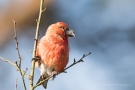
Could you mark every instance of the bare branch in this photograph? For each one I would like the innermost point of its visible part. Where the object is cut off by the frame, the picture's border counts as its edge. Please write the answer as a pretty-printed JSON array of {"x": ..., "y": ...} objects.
[
  {"x": 21, "y": 75},
  {"x": 25, "y": 72},
  {"x": 15, "y": 37},
  {"x": 75, "y": 62},
  {"x": 5, "y": 60},
  {"x": 80, "y": 60},
  {"x": 15, "y": 64},
  {"x": 35, "y": 45},
  {"x": 18, "y": 66}
]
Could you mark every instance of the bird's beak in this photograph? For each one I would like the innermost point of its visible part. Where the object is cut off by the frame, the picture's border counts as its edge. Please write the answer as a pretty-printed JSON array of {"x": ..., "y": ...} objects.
[{"x": 70, "y": 33}]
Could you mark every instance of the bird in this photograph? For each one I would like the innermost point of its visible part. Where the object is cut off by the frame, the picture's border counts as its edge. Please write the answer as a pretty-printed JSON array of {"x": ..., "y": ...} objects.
[{"x": 53, "y": 51}]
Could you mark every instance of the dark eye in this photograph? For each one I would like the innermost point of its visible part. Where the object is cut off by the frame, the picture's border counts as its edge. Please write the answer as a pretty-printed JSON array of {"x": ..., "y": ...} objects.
[
  {"x": 65, "y": 29},
  {"x": 62, "y": 27}
]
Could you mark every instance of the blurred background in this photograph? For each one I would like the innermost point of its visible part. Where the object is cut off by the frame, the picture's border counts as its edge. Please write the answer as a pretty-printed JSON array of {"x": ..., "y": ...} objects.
[{"x": 106, "y": 28}]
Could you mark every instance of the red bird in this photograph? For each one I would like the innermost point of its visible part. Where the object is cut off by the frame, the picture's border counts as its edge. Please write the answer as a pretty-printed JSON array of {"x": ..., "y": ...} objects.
[{"x": 53, "y": 50}]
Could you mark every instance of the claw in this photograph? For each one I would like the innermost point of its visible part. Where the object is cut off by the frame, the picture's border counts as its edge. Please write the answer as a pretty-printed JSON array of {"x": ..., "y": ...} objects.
[{"x": 37, "y": 58}]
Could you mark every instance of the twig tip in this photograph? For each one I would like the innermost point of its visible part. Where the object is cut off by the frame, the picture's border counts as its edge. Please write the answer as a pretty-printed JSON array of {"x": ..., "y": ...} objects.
[
  {"x": 74, "y": 60},
  {"x": 84, "y": 55}
]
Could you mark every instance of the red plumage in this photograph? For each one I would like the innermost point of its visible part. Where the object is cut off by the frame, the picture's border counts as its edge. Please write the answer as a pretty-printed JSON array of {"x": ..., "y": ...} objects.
[{"x": 53, "y": 50}]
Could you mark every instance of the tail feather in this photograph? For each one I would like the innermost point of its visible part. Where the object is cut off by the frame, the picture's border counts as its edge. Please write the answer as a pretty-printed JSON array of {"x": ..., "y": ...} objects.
[{"x": 44, "y": 84}]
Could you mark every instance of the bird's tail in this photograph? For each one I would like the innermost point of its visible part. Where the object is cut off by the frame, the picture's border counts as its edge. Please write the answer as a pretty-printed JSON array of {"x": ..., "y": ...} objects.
[{"x": 43, "y": 77}]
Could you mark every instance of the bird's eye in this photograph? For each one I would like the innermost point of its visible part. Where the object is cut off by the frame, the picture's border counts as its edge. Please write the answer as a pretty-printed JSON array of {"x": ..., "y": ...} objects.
[{"x": 63, "y": 28}]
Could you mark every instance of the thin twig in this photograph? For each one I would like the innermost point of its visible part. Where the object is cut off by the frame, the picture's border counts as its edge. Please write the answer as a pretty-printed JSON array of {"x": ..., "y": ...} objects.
[
  {"x": 35, "y": 45},
  {"x": 75, "y": 62},
  {"x": 15, "y": 37},
  {"x": 16, "y": 65},
  {"x": 5, "y": 60},
  {"x": 25, "y": 72},
  {"x": 16, "y": 84},
  {"x": 21, "y": 75}
]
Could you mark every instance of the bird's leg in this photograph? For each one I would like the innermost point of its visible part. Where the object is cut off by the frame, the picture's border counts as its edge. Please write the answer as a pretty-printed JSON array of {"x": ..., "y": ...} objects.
[{"x": 54, "y": 73}]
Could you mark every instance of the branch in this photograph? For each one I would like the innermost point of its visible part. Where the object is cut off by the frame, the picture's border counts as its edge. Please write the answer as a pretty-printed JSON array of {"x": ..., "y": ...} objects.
[
  {"x": 15, "y": 37},
  {"x": 21, "y": 71},
  {"x": 74, "y": 63},
  {"x": 18, "y": 66},
  {"x": 24, "y": 73},
  {"x": 21, "y": 75},
  {"x": 5, "y": 60},
  {"x": 35, "y": 45}
]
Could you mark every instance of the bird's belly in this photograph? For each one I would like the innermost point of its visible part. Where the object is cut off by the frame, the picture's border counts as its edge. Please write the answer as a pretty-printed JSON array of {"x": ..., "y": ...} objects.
[
  {"x": 57, "y": 59},
  {"x": 60, "y": 63}
]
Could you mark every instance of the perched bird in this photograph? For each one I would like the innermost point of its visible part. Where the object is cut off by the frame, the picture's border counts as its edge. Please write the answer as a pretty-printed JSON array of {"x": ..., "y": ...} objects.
[{"x": 53, "y": 51}]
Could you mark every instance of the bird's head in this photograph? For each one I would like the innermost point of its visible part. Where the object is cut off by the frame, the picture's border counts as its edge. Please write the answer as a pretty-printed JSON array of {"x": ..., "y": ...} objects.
[{"x": 60, "y": 30}]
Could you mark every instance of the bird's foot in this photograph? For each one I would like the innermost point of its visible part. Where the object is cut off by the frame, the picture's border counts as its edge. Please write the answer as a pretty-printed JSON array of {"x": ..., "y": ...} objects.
[
  {"x": 54, "y": 73},
  {"x": 37, "y": 58}
]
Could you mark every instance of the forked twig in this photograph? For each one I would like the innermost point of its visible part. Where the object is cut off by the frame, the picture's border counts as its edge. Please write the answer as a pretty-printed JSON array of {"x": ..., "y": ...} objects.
[
  {"x": 16, "y": 65},
  {"x": 25, "y": 72},
  {"x": 5, "y": 60},
  {"x": 75, "y": 62}
]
